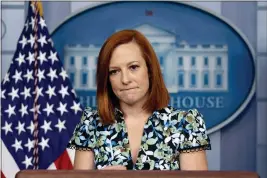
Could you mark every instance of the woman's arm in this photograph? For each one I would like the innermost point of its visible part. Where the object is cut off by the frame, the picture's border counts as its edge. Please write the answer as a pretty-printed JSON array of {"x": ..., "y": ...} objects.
[
  {"x": 84, "y": 160},
  {"x": 195, "y": 160}
]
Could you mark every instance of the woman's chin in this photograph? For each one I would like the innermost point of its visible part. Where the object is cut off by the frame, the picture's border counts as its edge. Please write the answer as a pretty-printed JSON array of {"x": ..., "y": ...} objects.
[{"x": 130, "y": 101}]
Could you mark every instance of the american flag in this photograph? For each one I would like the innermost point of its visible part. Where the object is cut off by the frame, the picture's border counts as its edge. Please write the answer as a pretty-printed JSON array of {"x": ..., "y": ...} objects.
[{"x": 36, "y": 82}]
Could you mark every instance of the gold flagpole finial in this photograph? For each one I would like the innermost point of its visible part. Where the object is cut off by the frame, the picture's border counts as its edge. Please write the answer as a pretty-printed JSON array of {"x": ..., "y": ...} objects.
[{"x": 40, "y": 7}]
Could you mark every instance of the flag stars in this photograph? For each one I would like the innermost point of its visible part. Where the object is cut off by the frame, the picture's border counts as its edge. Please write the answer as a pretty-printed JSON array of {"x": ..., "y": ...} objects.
[
  {"x": 48, "y": 109},
  {"x": 20, "y": 59},
  {"x": 57, "y": 98},
  {"x": 36, "y": 108},
  {"x": 31, "y": 40},
  {"x": 38, "y": 92},
  {"x": 17, "y": 145},
  {"x": 29, "y": 144},
  {"x": 60, "y": 125},
  {"x": 17, "y": 76},
  {"x": 10, "y": 110},
  {"x": 20, "y": 127},
  {"x": 41, "y": 57},
  {"x": 51, "y": 91},
  {"x": 52, "y": 74},
  {"x": 44, "y": 143},
  {"x": 6, "y": 79},
  {"x": 76, "y": 107},
  {"x": 31, "y": 127},
  {"x": 7, "y": 127},
  {"x": 14, "y": 93},
  {"x": 3, "y": 94},
  {"x": 23, "y": 110},
  {"x": 42, "y": 40},
  {"x": 63, "y": 74},
  {"x": 62, "y": 108},
  {"x": 73, "y": 91},
  {"x": 40, "y": 75},
  {"x": 27, "y": 161},
  {"x": 32, "y": 22},
  {"x": 23, "y": 41},
  {"x": 28, "y": 76},
  {"x": 42, "y": 22},
  {"x": 30, "y": 58},
  {"x": 51, "y": 42},
  {"x": 46, "y": 126},
  {"x": 53, "y": 56},
  {"x": 63, "y": 91},
  {"x": 26, "y": 93}
]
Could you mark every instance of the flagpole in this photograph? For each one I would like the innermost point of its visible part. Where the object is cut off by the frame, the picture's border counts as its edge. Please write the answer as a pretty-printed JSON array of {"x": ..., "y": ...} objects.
[{"x": 35, "y": 133}]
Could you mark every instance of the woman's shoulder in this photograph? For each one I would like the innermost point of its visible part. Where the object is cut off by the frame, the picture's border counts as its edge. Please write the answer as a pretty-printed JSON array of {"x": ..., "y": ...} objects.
[
  {"x": 88, "y": 111},
  {"x": 171, "y": 113},
  {"x": 172, "y": 110},
  {"x": 91, "y": 116},
  {"x": 187, "y": 129}
]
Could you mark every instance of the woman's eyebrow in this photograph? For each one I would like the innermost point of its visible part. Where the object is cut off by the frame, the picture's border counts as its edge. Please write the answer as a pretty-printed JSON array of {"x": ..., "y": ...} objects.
[
  {"x": 111, "y": 67},
  {"x": 131, "y": 62}
]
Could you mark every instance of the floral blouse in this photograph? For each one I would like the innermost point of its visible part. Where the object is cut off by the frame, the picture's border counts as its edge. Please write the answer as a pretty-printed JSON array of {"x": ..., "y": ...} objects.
[{"x": 167, "y": 133}]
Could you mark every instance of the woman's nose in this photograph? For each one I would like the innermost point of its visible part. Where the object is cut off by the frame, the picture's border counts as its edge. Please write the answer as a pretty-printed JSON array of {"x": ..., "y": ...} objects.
[{"x": 125, "y": 78}]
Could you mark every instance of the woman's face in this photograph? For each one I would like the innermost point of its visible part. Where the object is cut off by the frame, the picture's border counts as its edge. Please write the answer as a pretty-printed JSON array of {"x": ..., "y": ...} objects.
[{"x": 128, "y": 74}]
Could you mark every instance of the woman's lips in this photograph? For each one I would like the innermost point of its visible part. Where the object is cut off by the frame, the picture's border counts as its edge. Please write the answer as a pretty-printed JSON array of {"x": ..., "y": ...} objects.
[{"x": 127, "y": 89}]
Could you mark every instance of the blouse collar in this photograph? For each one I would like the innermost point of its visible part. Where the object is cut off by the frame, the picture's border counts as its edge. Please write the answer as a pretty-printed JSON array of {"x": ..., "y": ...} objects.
[{"x": 166, "y": 110}]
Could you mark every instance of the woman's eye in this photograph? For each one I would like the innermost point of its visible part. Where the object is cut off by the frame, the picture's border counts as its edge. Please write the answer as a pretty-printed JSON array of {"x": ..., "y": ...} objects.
[
  {"x": 112, "y": 72},
  {"x": 134, "y": 67}
]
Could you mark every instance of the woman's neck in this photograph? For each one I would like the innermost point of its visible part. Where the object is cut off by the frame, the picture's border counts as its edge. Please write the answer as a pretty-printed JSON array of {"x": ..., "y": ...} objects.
[{"x": 135, "y": 111}]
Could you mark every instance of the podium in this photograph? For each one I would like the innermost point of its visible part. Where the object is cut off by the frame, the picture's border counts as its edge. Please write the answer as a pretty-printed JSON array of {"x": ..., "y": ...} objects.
[{"x": 132, "y": 174}]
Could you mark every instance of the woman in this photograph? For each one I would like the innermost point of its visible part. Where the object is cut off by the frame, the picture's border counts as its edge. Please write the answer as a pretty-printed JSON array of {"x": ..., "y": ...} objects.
[{"x": 133, "y": 127}]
